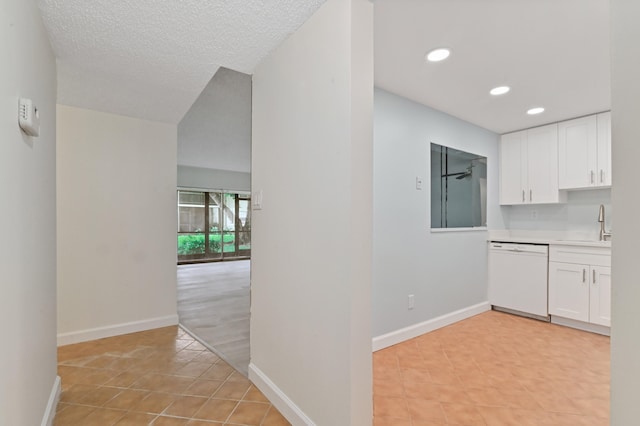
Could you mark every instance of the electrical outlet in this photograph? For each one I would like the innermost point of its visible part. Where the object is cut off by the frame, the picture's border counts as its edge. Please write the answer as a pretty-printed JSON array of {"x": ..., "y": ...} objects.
[
  {"x": 534, "y": 214},
  {"x": 418, "y": 183},
  {"x": 410, "y": 301}
]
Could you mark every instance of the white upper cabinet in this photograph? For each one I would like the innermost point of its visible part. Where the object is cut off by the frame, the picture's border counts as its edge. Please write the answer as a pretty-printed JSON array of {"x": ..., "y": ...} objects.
[
  {"x": 513, "y": 167},
  {"x": 542, "y": 152},
  {"x": 584, "y": 152},
  {"x": 604, "y": 149},
  {"x": 529, "y": 166}
]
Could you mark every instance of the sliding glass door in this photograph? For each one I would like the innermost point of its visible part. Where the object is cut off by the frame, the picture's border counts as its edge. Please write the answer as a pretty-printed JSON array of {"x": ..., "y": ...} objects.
[{"x": 213, "y": 226}]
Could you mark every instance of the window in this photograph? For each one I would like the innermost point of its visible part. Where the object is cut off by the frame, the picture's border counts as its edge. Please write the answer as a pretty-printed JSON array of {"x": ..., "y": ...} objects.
[
  {"x": 458, "y": 188},
  {"x": 213, "y": 225}
]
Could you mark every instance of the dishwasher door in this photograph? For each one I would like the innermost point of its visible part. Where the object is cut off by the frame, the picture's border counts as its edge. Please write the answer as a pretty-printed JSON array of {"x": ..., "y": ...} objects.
[{"x": 518, "y": 277}]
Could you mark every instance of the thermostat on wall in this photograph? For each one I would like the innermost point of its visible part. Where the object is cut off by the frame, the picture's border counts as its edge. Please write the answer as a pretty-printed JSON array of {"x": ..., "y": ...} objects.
[{"x": 29, "y": 117}]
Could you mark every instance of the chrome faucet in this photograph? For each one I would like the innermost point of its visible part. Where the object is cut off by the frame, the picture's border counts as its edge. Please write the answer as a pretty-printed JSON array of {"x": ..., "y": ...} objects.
[{"x": 603, "y": 234}]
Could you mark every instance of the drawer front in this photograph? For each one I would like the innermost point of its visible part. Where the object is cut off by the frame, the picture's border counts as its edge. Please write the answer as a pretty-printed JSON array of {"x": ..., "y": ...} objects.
[{"x": 600, "y": 256}]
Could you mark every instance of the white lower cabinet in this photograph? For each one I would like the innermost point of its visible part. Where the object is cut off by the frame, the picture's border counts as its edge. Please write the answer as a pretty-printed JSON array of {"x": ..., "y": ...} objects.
[
  {"x": 600, "y": 296},
  {"x": 580, "y": 284}
]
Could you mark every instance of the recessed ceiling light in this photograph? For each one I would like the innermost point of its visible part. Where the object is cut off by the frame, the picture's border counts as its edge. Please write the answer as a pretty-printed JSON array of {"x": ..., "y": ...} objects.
[
  {"x": 534, "y": 111},
  {"x": 437, "y": 55},
  {"x": 500, "y": 90}
]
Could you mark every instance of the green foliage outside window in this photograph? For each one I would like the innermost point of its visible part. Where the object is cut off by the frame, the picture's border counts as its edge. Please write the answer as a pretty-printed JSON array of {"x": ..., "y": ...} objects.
[{"x": 194, "y": 243}]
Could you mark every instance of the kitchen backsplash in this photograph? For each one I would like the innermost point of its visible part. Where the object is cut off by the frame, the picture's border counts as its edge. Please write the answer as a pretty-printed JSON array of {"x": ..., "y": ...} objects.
[{"x": 578, "y": 214}]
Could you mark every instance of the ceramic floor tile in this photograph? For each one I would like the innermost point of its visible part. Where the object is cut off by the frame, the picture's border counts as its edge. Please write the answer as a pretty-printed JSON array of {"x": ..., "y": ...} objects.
[
  {"x": 425, "y": 410},
  {"x": 390, "y": 421},
  {"x": 185, "y": 406},
  {"x": 73, "y": 415},
  {"x": 494, "y": 369},
  {"x": 219, "y": 371},
  {"x": 216, "y": 410},
  {"x": 154, "y": 403},
  {"x": 169, "y": 421},
  {"x": 416, "y": 375},
  {"x": 232, "y": 390},
  {"x": 126, "y": 399},
  {"x": 388, "y": 388},
  {"x": 124, "y": 379},
  {"x": 160, "y": 377},
  {"x": 203, "y": 423},
  {"x": 103, "y": 417},
  {"x": 135, "y": 419},
  {"x": 203, "y": 387},
  {"x": 254, "y": 394},
  {"x": 76, "y": 393},
  {"x": 460, "y": 414},
  {"x": 274, "y": 418},
  {"x": 249, "y": 413},
  {"x": 390, "y": 407}
]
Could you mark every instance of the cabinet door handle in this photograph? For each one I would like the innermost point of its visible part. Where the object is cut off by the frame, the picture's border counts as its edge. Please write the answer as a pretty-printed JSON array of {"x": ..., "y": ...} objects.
[
  {"x": 594, "y": 276},
  {"x": 523, "y": 195},
  {"x": 531, "y": 195},
  {"x": 584, "y": 275},
  {"x": 592, "y": 176},
  {"x": 601, "y": 176}
]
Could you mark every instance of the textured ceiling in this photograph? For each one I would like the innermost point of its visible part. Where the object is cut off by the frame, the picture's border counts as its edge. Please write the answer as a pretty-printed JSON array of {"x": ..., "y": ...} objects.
[
  {"x": 553, "y": 53},
  {"x": 152, "y": 58}
]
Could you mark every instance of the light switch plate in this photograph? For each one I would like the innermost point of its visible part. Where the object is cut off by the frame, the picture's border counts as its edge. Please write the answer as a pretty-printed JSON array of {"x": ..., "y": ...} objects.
[
  {"x": 256, "y": 200},
  {"x": 418, "y": 182}
]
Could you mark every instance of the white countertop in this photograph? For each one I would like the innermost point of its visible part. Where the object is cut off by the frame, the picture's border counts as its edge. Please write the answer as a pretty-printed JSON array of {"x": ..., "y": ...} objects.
[{"x": 544, "y": 237}]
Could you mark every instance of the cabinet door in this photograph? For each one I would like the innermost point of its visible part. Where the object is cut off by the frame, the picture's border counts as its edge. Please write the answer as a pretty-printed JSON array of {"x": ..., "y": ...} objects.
[
  {"x": 604, "y": 149},
  {"x": 513, "y": 167},
  {"x": 569, "y": 290},
  {"x": 577, "y": 153},
  {"x": 600, "y": 296},
  {"x": 542, "y": 155}
]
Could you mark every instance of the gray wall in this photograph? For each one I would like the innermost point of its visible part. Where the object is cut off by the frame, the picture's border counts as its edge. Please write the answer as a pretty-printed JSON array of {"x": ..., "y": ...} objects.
[
  {"x": 27, "y": 218},
  {"x": 625, "y": 108},
  {"x": 200, "y": 178},
  {"x": 216, "y": 131},
  {"x": 445, "y": 271}
]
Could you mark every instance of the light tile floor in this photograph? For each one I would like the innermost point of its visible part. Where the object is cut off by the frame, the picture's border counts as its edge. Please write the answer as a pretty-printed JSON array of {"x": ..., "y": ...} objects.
[
  {"x": 494, "y": 369},
  {"x": 158, "y": 377}
]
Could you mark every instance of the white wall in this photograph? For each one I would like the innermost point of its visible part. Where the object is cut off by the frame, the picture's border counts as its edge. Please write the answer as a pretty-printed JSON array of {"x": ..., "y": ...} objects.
[
  {"x": 444, "y": 271},
  {"x": 27, "y": 218},
  {"x": 116, "y": 224},
  {"x": 311, "y": 247},
  {"x": 201, "y": 178},
  {"x": 625, "y": 321}
]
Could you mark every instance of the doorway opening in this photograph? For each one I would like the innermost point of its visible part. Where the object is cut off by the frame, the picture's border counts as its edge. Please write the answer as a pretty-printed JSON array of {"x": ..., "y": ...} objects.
[{"x": 213, "y": 296}]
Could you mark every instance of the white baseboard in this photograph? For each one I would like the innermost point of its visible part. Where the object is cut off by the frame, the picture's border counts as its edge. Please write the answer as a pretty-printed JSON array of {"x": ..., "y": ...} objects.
[
  {"x": 116, "y": 330},
  {"x": 279, "y": 399},
  {"x": 399, "y": 336},
  {"x": 52, "y": 404},
  {"x": 584, "y": 326}
]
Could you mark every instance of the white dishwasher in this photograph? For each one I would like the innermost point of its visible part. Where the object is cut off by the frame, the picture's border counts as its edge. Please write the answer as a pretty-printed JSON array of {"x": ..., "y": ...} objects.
[{"x": 518, "y": 278}]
